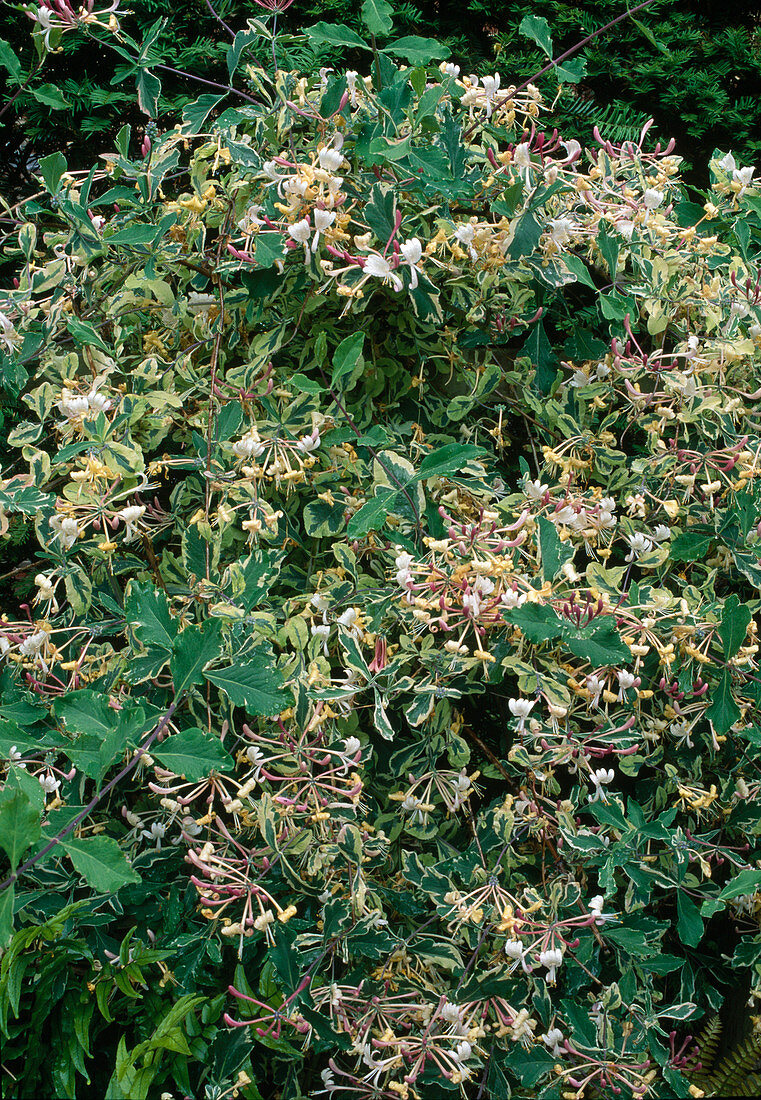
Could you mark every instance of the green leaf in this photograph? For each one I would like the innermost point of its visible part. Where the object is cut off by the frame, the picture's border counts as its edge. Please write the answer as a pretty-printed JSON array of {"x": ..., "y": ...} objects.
[
  {"x": 376, "y": 15},
  {"x": 52, "y": 167},
  {"x": 336, "y": 34},
  {"x": 19, "y": 824},
  {"x": 147, "y": 612},
  {"x": 84, "y": 333},
  {"x": 347, "y": 357},
  {"x": 723, "y": 711},
  {"x": 194, "y": 754},
  {"x": 101, "y": 862},
  {"x": 690, "y": 545},
  {"x": 537, "y": 622},
  {"x": 195, "y": 114},
  {"x": 6, "y": 915},
  {"x": 255, "y": 686},
  {"x": 372, "y": 515},
  {"x": 86, "y": 712},
  {"x": 304, "y": 384},
  {"x": 735, "y": 619},
  {"x": 609, "y": 246},
  {"x": 526, "y": 236},
  {"x": 555, "y": 552},
  {"x": 148, "y": 92},
  {"x": 322, "y": 519},
  {"x": 51, "y": 96},
  {"x": 577, "y": 267},
  {"x": 538, "y": 30},
  {"x": 572, "y": 71},
  {"x": 193, "y": 649},
  {"x": 689, "y": 923},
  {"x": 269, "y": 250},
  {"x": 26, "y": 500},
  {"x": 416, "y": 50},
  {"x": 599, "y": 642},
  {"x": 380, "y": 211},
  {"x": 746, "y": 882},
  {"x": 8, "y": 59},
  {"x": 447, "y": 460},
  {"x": 542, "y": 355}
]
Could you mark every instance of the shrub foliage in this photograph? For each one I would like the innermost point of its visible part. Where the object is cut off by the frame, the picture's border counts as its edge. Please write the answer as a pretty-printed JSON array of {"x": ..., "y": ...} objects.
[{"x": 382, "y": 717}]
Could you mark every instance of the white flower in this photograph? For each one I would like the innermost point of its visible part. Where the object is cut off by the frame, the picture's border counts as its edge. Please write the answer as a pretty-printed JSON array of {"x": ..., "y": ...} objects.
[
  {"x": 626, "y": 679},
  {"x": 652, "y": 198},
  {"x": 49, "y": 783},
  {"x": 594, "y": 686},
  {"x": 452, "y": 1013},
  {"x": 553, "y": 1039},
  {"x": 464, "y": 234},
  {"x": 744, "y": 177},
  {"x": 131, "y": 515},
  {"x": 600, "y": 778},
  {"x": 551, "y": 959},
  {"x": 251, "y": 220},
  {"x": 309, "y": 443},
  {"x": 320, "y": 630},
  {"x": 46, "y": 587},
  {"x": 352, "y": 745},
  {"x": 9, "y": 338},
  {"x": 511, "y": 598},
  {"x": 248, "y": 446},
  {"x": 301, "y": 231},
  {"x": 523, "y": 1028},
  {"x": 727, "y": 162},
  {"x": 491, "y": 87},
  {"x": 471, "y": 604},
  {"x": 561, "y": 230},
  {"x": 156, "y": 833},
  {"x": 66, "y": 530},
  {"x": 379, "y": 267},
  {"x": 412, "y": 252},
  {"x": 321, "y": 602},
  {"x": 462, "y": 1053},
  {"x": 661, "y": 532},
  {"x": 450, "y": 70},
  {"x": 535, "y": 489},
  {"x": 521, "y": 708},
  {"x": 330, "y": 159},
  {"x": 73, "y": 405},
  {"x": 596, "y": 907},
  {"x": 639, "y": 544},
  {"x": 323, "y": 219},
  {"x": 348, "y": 619}
]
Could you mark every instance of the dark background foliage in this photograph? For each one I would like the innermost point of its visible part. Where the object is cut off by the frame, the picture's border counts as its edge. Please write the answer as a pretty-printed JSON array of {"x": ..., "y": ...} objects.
[{"x": 694, "y": 65}]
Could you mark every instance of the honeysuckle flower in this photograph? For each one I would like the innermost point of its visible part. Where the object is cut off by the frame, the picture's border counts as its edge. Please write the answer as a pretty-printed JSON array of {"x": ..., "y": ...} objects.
[
  {"x": 743, "y": 176},
  {"x": 452, "y": 1013},
  {"x": 535, "y": 489},
  {"x": 450, "y": 70},
  {"x": 521, "y": 708},
  {"x": 65, "y": 529},
  {"x": 49, "y": 783},
  {"x": 378, "y": 267},
  {"x": 323, "y": 219},
  {"x": 661, "y": 532},
  {"x": 348, "y": 620},
  {"x": 562, "y": 230},
  {"x": 599, "y": 779},
  {"x": 412, "y": 253},
  {"x": 9, "y": 337},
  {"x": 517, "y": 951},
  {"x": 596, "y": 909},
  {"x": 321, "y": 630},
  {"x": 639, "y": 544},
  {"x": 16, "y": 757},
  {"x": 309, "y": 443},
  {"x": 512, "y": 597},
  {"x": 551, "y": 959},
  {"x": 300, "y": 232},
  {"x": 131, "y": 516},
  {"x": 464, "y": 235},
  {"x": 248, "y": 446},
  {"x": 351, "y": 84},
  {"x": 552, "y": 1039},
  {"x": 522, "y": 1030},
  {"x": 727, "y": 162},
  {"x": 490, "y": 87},
  {"x": 330, "y": 158},
  {"x": 73, "y": 405},
  {"x": 652, "y": 198},
  {"x": 155, "y": 834},
  {"x": 462, "y": 1052}
]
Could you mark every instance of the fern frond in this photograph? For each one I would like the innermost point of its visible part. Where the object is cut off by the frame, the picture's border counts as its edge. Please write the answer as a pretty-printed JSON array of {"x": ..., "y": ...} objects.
[
  {"x": 734, "y": 1072},
  {"x": 707, "y": 1043}
]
